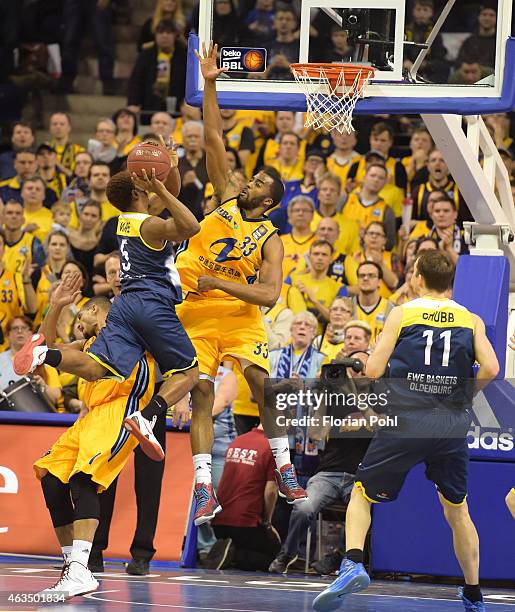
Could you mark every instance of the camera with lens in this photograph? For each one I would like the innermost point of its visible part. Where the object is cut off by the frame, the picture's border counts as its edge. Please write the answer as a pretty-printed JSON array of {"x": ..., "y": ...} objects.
[
  {"x": 337, "y": 369},
  {"x": 356, "y": 22}
]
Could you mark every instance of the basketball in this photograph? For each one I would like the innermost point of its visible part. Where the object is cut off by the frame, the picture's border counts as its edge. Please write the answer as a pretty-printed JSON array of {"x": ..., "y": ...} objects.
[
  {"x": 253, "y": 60},
  {"x": 147, "y": 156}
]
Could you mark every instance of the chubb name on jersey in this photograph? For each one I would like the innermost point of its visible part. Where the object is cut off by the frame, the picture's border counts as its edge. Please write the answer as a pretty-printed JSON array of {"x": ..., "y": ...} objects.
[
  {"x": 490, "y": 440},
  {"x": 439, "y": 317}
]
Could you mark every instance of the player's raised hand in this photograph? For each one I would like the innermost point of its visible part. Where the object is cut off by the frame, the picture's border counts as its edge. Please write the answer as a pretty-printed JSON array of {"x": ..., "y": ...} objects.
[
  {"x": 146, "y": 183},
  {"x": 172, "y": 152},
  {"x": 207, "y": 60},
  {"x": 67, "y": 290}
]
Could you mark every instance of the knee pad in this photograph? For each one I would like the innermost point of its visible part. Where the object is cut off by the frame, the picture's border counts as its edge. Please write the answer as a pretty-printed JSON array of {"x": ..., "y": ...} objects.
[
  {"x": 85, "y": 497},
  {"x": 58, "y": 500}
]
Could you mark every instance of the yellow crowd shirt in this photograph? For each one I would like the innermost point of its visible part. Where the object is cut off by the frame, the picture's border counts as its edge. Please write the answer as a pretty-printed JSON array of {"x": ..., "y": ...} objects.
[
  {"x": 10, "y": 304},
  {"x": 348, "y": 240},
  {"x": 43, "y": 219},
  {"x": 295, "y": 250}
]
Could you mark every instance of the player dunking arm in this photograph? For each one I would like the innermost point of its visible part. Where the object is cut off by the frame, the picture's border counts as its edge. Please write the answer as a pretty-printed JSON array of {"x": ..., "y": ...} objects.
[
  {"x": 89, "y": 455},
  {"x": 228, "y": 270},
  {"x": 435, "y": 336},
  {"x": 143, "y": 317}
]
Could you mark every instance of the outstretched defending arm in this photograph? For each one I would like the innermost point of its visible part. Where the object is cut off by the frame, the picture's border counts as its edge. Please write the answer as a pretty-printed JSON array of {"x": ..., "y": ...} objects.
[
  {"x": 63, "y": 295},
  {"x": 216, "y": 160},
  {"x": 264, "y": 292}
]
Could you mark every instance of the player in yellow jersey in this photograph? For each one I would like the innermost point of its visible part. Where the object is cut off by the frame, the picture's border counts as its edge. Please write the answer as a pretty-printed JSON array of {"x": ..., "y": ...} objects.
[
  {"x": 229, "y": 269},
  {"x": 86, "y": 458},
  {"x": 13, "y": 301}
]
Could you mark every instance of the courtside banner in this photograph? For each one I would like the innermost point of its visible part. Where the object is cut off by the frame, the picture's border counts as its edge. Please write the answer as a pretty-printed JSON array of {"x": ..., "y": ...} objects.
[{"x": 25, "y": 525}]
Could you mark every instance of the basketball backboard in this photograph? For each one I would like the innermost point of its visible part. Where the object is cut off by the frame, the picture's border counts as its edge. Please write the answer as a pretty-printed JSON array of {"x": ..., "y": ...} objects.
[{"x": 373, "y": 31}]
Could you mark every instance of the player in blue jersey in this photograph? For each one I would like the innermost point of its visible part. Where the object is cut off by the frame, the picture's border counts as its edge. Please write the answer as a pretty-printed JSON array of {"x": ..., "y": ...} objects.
[
  {"x": 426, "y": 340},
  {"x": 143, "y": 317}
]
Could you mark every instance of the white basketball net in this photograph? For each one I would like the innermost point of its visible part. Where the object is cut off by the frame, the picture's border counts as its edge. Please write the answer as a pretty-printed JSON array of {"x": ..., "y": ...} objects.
[{"x": 329, "y": 105}]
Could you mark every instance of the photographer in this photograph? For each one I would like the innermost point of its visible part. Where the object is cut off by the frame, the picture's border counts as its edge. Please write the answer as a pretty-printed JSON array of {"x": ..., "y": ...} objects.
[{"x": 334, "y": 478}]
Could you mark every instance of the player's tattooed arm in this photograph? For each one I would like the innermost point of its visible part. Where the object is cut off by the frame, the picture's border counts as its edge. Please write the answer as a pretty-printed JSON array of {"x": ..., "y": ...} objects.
[
  {"x": 266, "y": 290},
  {"x": 377, "y": 362}
]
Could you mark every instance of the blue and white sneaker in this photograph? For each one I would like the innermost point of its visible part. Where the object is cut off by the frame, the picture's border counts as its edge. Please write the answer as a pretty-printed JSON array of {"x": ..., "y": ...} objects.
[
  {"x": 478, "y": 606},
  {"x": 351, "y": 579}
]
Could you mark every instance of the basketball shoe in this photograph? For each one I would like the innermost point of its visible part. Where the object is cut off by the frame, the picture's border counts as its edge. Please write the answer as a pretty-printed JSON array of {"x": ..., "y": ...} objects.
[
  {"x": 351, "y": 579},
  {"x": 30, "y": 356},
  {"x": 476, "y": 606},
  {"x": 206, "y": 504},
  {"x": 288, "y": 486},
  {"x": 75, "y": 579},
  {"x": 142, "y": 429}
]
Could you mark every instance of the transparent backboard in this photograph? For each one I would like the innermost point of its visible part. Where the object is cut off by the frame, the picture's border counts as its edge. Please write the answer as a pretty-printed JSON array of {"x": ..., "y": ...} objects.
[{"x": 460, "y": 70}]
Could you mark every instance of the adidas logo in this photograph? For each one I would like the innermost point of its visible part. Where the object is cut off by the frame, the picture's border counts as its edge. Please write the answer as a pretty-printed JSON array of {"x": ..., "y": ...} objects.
[
  {"x": 490, "y": 440},
  {"x": 487, "y": 432}
]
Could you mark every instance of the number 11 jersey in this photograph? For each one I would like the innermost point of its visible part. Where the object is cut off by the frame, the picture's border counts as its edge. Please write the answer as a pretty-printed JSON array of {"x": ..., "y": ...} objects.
[{"x": 436, "y": 341}]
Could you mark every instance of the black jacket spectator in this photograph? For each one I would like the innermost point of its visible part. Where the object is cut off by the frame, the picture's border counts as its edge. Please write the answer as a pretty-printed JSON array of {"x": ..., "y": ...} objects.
[{"x": 142, "y": 90}]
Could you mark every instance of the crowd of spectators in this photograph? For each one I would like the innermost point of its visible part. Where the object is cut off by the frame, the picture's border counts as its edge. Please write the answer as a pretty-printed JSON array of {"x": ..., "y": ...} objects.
[{"x": 348, "y": 254}]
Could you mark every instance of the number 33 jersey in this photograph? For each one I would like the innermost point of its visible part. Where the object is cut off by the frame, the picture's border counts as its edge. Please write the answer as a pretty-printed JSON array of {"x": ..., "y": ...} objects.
[
  {"x": 228, "y": 246},
  {"x": 436, "y": 341}
]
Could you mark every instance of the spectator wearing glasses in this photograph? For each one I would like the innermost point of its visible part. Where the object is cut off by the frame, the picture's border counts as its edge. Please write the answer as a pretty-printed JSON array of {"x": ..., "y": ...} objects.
[
  {"x": 104, "y": 146},
  {"x": 332, "y": 341},
  {"x": 19, "y": 330},
  {"x": 374, "y": 243},
  {"x": 370, "y": 306}
]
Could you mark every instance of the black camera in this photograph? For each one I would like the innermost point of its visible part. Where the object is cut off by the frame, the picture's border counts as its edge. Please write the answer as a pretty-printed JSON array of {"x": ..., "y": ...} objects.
[
  {"x": 356, "y": 22},
  {"x": 337, "y": 369}
]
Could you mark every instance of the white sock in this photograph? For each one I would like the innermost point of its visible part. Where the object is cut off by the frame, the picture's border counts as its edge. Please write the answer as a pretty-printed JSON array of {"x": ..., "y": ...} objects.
[
  {"x": 202, "y": 468},
  {"x": 67, "y": 551},
  {"x": 280, "y": 450},
  {"x": 80, "y": 552}
]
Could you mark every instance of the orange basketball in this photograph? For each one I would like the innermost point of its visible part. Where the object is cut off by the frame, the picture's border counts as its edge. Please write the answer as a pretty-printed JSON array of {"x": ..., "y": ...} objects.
[
  {"x": 147, "y": 156},
  {"x": 253, "y": 60}
]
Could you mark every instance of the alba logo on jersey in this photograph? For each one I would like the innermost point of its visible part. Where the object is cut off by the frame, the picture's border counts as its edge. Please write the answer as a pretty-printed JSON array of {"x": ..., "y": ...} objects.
[{"x": 225, "y": 250}]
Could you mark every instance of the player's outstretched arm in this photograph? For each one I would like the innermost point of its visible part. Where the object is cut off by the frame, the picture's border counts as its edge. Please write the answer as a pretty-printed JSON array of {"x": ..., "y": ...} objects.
[
  {"x": 216, "y": 160},
  {"x": 485, "y": 355},
  {"x": 377, "y": 362},
  {"x": 181, "y": 226},
  {"x": 264, "y": 292},
  {"x": 63, "y": 295}
]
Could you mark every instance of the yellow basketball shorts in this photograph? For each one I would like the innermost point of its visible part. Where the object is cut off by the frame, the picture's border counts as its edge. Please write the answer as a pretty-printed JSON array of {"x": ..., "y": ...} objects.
[
  {"x": 221, "y": 328},
  {"x": 96, "y": 444}
]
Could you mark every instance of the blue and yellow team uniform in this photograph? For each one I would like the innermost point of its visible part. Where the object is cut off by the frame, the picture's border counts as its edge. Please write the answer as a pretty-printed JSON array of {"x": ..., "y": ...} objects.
[
  {"x": 98, "y": 444},
  {"x": 431, "y": 379},
  {"x": 228, "y": 246},
  {"x": 143, "y": 317}
]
